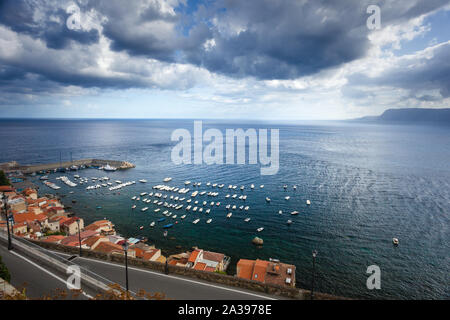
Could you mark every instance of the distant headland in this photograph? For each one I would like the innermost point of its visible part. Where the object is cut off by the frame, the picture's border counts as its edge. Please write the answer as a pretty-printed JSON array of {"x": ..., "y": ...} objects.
[{"x": 411, "y": 115}]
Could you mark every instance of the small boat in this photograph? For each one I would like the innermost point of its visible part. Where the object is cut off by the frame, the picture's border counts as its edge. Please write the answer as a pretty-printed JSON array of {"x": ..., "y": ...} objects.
[
  {"x": 141, "y": 227},
  {"x": 183, "y": 216},
  {"x": 246, "y": 208},
  {"x": 157, "y": 210},
  {"x": 152, "y": 224},
  {"x": 165, "y": 233},
  {"x": 109, "y": 168},
  {"x": 287, "y": 198},
  {"x": 196, "y": 221},
  {"x": 167, "y": 226},
  {"x": 187, "y": 182},
  {"x": 395, "y": 241},
  {"x": 208, "y": 210},
  {"x": 143, "y": 181},
  {"x": 168, "y": 179},
  {"x": 308, "y": 202},
  {"x": 98, "y": 207},
  {"x": 268, "y": 199},
  {"x": 143, "y": 194},
  {"x": 294, "y": 213},
  {"x": 285, "y": 186},
  {"x": 242, "y": 187},
  {"x": 247, "y": 219},
  {"x": 261, "y": 186},
  {"x": 208, "y": 221},
  {"x": 133, "y": 206},
  {"x": 260, "y": 229},
  {"x": 144, "y": 209},
  {"x": 217, "y": 204},
  {"x": 161, "y": 220},
  {"x": 134, "y": 198},
  {"x": 294, "y": 187},
  {"x": 229, "y": 215},
  {"x": 233, "y": 207},
  {"x": 252, "y": 186},
  {"x": 289, "y": 221},
  {"x": 227, "y": 196},
  {"x": 241, "y": 207}
]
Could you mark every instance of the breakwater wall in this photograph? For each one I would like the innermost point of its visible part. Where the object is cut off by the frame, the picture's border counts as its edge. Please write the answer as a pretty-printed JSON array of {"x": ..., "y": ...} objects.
[{"x": 67, "y": 164}]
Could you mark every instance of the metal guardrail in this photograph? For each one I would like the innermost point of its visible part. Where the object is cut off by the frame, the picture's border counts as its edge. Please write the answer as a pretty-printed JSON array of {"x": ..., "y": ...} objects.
[{"x": 61, "y": 263}]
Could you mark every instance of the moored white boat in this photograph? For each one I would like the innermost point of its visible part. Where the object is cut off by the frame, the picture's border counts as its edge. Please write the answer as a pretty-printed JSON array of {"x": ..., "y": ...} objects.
[{"x": 260, "y": 229}]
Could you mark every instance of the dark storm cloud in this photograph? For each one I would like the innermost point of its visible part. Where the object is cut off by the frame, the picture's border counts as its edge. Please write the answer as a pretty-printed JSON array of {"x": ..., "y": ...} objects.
[
  {"x": 25, "y": 17},
  {"x": 264, "y": 39}
]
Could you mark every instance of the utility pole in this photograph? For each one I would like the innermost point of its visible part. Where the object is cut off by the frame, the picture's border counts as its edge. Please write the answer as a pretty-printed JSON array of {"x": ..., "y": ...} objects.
[{"x": 10, "y": 246}]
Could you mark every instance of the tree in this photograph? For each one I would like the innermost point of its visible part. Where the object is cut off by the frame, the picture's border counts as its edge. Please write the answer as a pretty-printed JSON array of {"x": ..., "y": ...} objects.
[
  {"x": 4, "y": 273},
  {"x": 3, "y": 179}
]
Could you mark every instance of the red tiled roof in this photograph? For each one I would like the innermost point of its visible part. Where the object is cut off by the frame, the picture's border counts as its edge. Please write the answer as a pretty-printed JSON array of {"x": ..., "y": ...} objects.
[
  {"x": 53, "y": 238},
  {"x": 259, "y": 270},
  {"x": 108, "y": 247},
  {"x": 213, "y": 256},
  {"x": 200, "y": 266},
  {"x": 194, "y": 255},
  {"x": 245, "y": 268},
  {"x": 210, "y": 269},
  {"x": 149, "y": 254}
]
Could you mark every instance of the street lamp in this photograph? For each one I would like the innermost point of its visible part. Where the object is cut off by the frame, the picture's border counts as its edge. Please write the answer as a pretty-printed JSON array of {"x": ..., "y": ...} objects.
[
  {"x": 10, "y": 246},
  {"x": 125, "y": 248},
  {"x": 79, "y": 234},
  {"x": 314, "y": 254}
]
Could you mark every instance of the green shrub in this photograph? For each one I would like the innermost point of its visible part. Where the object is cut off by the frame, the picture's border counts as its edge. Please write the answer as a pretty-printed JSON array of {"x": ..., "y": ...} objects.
[{"x": 4, "y": 273}]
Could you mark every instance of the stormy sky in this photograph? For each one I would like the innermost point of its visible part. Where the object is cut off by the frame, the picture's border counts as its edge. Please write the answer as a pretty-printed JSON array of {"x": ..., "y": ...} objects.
[{"x": 262, "y": 59}]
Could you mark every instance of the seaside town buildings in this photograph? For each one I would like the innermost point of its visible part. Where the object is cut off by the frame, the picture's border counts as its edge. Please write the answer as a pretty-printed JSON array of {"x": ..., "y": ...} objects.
[{"x": 271, "y": 272}]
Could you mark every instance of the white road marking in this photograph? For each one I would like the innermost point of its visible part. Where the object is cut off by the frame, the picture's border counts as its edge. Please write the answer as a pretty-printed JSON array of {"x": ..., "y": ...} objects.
[
  {"x": 176, "y": 278},
  {"x": 46, "y": 271}
]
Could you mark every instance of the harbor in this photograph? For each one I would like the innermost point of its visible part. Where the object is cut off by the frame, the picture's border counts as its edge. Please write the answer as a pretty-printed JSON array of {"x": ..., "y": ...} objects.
[{"x": 66, "y": 165}]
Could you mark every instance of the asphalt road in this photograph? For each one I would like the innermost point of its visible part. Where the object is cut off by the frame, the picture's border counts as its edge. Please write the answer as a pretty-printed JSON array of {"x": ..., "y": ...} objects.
[
  {"x": 38, "y": 280},
  {"x": 174, "y": 287}
]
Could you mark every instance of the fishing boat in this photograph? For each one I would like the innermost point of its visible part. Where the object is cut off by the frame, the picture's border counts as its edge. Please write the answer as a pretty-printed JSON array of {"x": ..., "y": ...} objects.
[
  {"x": 227, "y": 196},
  {"x": 168, "y": 179},
  {"x": 208, "y": 221},
  {"x": 200, "y": 209},
  {"x": 152, "y": 224},
  {"x": 246, "y": 208},
  {"x": 228, "y": 206},
  {"x": 143, "y": 181},
  {"x": 212, "y": 203},
  {"x": 134, "y": 198},
  {"x": 268, "y": 199},
  {"x": 261, "y": 186},
  {"x": 144, "y": 209},
  {"x": 157, "y": 210},
  {"x": 294, "y": 213},
  {"x": 241, "y": 207},
  {"x": 133, "y": 206},
  {"x": 141, "y": 227},
  {"x": 195, "y": 221},
  {"x": 242, "y": 187},
  {"x": 229, "y": 215},
  {"x": 233, "y": 207},
  {"x": 260, "y": 229},
  {"x": 208, "y": 210},
  {"x": 308, "y": 202},
  {"x": 183, "y": 216},
  {"x": 187, "y": 182},
  {"x": 194, "y": 209},
  {"x": 109, "y": 168},
  {"x": 247, "y": 219},
  {"x": 167, "y": 226},
  {"x": 287, "y": 198}
]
